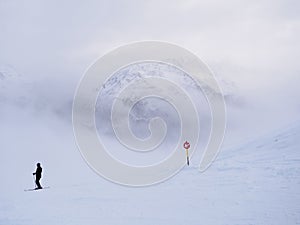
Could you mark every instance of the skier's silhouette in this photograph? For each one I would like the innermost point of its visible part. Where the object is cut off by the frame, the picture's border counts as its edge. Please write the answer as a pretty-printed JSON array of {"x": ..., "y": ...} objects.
[{"x": 38, "y": 175}]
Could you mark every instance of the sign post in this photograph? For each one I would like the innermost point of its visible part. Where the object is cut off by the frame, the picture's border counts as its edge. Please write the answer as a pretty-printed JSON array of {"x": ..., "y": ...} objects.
[{"x": 187, "y": 145}]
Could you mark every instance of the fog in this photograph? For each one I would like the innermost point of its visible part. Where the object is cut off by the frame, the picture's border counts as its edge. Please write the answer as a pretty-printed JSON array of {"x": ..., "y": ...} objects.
[{"x": 252, "y": 47}]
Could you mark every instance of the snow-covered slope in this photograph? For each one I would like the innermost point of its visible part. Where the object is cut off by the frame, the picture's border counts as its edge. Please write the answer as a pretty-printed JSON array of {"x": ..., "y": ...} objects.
[{"x": 255, "y": 183}]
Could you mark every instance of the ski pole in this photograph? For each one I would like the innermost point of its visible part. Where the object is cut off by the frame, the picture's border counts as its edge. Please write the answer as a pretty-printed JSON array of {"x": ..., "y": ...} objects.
[{"x": 34, "y": 181}]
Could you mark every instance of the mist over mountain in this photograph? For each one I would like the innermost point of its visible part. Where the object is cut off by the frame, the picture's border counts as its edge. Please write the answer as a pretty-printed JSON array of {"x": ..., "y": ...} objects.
[
  {"x": 37, "y": 96},
  {"x": 50, "y": 97}
]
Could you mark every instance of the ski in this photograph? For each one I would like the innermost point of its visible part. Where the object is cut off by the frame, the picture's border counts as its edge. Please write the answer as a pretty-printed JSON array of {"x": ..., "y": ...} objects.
[{"x": 35, "y": 189}]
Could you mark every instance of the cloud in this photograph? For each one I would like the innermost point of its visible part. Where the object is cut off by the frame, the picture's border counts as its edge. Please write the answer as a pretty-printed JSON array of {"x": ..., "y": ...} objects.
[{"x": 252, "y": 44}]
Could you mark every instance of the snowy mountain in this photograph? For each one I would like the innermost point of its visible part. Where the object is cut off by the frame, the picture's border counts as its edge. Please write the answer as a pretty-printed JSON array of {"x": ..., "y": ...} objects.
[{"x": 50, "y": 95}]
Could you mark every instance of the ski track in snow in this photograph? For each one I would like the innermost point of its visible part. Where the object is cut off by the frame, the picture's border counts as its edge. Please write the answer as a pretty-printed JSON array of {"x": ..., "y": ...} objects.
[{"x": 255, "y": 183}]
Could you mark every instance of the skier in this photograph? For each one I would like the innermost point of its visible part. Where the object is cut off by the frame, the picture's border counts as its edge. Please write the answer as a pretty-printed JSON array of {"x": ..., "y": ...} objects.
[{"x": 38, "y": 176}]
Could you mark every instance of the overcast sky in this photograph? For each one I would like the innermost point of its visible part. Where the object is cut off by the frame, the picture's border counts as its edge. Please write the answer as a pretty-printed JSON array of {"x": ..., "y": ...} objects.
[{"x": 252, "y": 44}]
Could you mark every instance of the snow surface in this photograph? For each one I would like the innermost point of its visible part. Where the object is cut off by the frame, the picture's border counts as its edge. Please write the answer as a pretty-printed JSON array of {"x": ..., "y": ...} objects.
[{"x": 254, "y": 183}]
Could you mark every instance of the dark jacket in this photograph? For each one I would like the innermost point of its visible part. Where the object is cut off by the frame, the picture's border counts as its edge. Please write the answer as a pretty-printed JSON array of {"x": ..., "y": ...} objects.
[{"x": 38, "y": 172}]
